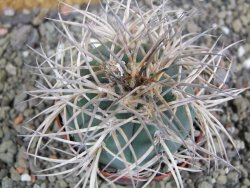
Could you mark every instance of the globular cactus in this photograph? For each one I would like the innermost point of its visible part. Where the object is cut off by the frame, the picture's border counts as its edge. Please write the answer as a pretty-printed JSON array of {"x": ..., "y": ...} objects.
[{"x": 131, "y": 95}]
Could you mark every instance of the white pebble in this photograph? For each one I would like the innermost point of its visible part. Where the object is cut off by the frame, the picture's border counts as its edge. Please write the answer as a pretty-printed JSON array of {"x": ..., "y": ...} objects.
[
  {"x": 25, "y": 177},
  {"x": 25, "y": 53},
  {"x": 214, "y": 25},
  {"x": 226, "y": 170},
  {"x": 241, "y": 51},
  {"x": 226, "y": 30},
  {"x": 95, "y": 43},
  {"x": 11, "y": 69},
  {"x": 246, "y": 63},
  {"x": 8, "y": 12},
  {"x": 239, "y": 144},
  {"x": 213, "y": 180}
]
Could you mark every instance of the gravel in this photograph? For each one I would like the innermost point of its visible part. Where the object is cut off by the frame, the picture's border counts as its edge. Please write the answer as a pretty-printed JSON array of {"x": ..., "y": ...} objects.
[
  {"x": 23, "y": 36},
  {"x": 7, "y": 182},
  {"x": 29, "y": 28},
  {"x": 205, "y": 184},
  {"x": 7, "y": 151}
]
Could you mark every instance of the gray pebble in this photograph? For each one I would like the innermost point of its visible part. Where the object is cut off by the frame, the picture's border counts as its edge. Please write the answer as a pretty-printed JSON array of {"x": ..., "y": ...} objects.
[
  {"x": 235, "y": 117},
  {"x": 3, "y": 44},
  {"x": 7, "y": 182},
  {"x": 44, "y": 185},
  {"x": 244, "y": 170},
  {"x": 7, "y": 151},
  {"x": 11, "y": 69},
  {"x": 244, "y": 186},
  {"x": 28, "y": 112},
  {"x": 240, "y": 145},
  {"x": 3, "y": 173},
  {"x": 205, "y": 184},
  {"x": 237, "y": 26},
  {"x": 222, "y": 179},
  {"x": 14, "y": 174},
  {"x": 36, "y": 186},
  {"x": 245, "y": 20},
  {"x": 52, "y": 178},
  {"x": 19, "y": 103},
  {"x": 18, "y": 61},
  {"x": 23, "y": 18},
  {"x": 3, "y": 63},
  {"x": 3, "y": 75},
  {"x": 1, "y": 132},
  {"x": 2, "y": 49},
  {"x": 242, "y": 104},
  {"x": 246, "y": 182},
  {"x": 9, "y": 97},
  {"x": 4, "y": 40},
  {"x": 63, "y": 184},
  {"x": 233, "y": 177},
  {"x": 42, "y": 178},
  {"x": 247, "y": 137},
  {"x": 22, "y": 36},
  {"x": 192, "y": 27},
  {"x": 48, "y": 32}
]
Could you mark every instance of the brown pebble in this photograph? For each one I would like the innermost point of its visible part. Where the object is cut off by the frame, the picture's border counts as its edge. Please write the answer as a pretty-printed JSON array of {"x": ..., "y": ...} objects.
[
  {"x": 20, "y": 169},
  {"x": 3, "y": 31},
  {"x": 33, "y": 179},
  {"x": 53, "y": 157},
  {"x": 65, "y": 10},
  {"x": 19, "y": 119}
]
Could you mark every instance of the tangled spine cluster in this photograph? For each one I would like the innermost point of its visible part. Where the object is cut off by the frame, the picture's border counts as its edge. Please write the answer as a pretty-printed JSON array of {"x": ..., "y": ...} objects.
[{"x": 134, "y": 97}]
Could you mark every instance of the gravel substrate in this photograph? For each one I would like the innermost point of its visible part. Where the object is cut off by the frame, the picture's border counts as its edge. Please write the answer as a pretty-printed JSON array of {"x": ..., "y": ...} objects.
[{"x": 17, "y": 30}]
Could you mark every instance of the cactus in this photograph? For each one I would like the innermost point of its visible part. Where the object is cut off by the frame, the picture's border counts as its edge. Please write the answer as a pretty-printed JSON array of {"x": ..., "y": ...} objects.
[{"x": 131, "y": 96}]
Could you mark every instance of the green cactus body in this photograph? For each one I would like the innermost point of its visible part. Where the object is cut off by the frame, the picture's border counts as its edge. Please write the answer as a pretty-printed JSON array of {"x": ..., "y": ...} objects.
[{"x": 142, "y": 134}]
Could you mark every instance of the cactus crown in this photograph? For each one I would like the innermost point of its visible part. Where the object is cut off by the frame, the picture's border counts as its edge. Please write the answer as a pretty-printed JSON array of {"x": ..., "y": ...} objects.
[{"x": 132, "y": 92}]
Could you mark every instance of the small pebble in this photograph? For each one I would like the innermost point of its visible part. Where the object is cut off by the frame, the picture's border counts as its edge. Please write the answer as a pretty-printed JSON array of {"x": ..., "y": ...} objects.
[
  {"x": 19, "y": 119},
  {"x": 25, "y": 177},
  {"x": 205, "y": 184},
  {"x": 246, "y": 182},
  {"x": 14, "y": 174},
  {"x": 246, "y": 63},
  {"x": 247, "y": 137},
  {"x": 22, "y": 36},
  {"x": 7, "y": 182},
  {"x": 52, "y": 178},
  {"x": 8, "y": 11},
  {"x": 36, "y": 186},
  {"x": 63, "y": 184},
  {"x": 222, "y": 179},
  {"x": 233, "y": 177},
  {"x": 239, "y": 144},
  {"x": 11, "y": 69},
  {"x": 7, "y": 151},
  {"x": 3, "y": 31},
  {"x": 226, "y": 30},
  {"x": 241, "y": 51},
  {"x": 20, "y": 169},
  {"x": 25, "y": 53},
  {"x": 237, "y": 26},
  {"x": 3, "y": 75}
]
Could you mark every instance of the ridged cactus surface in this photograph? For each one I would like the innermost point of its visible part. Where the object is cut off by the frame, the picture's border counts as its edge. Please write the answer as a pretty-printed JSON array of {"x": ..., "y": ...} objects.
[{"x": 128, "y": 139}]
